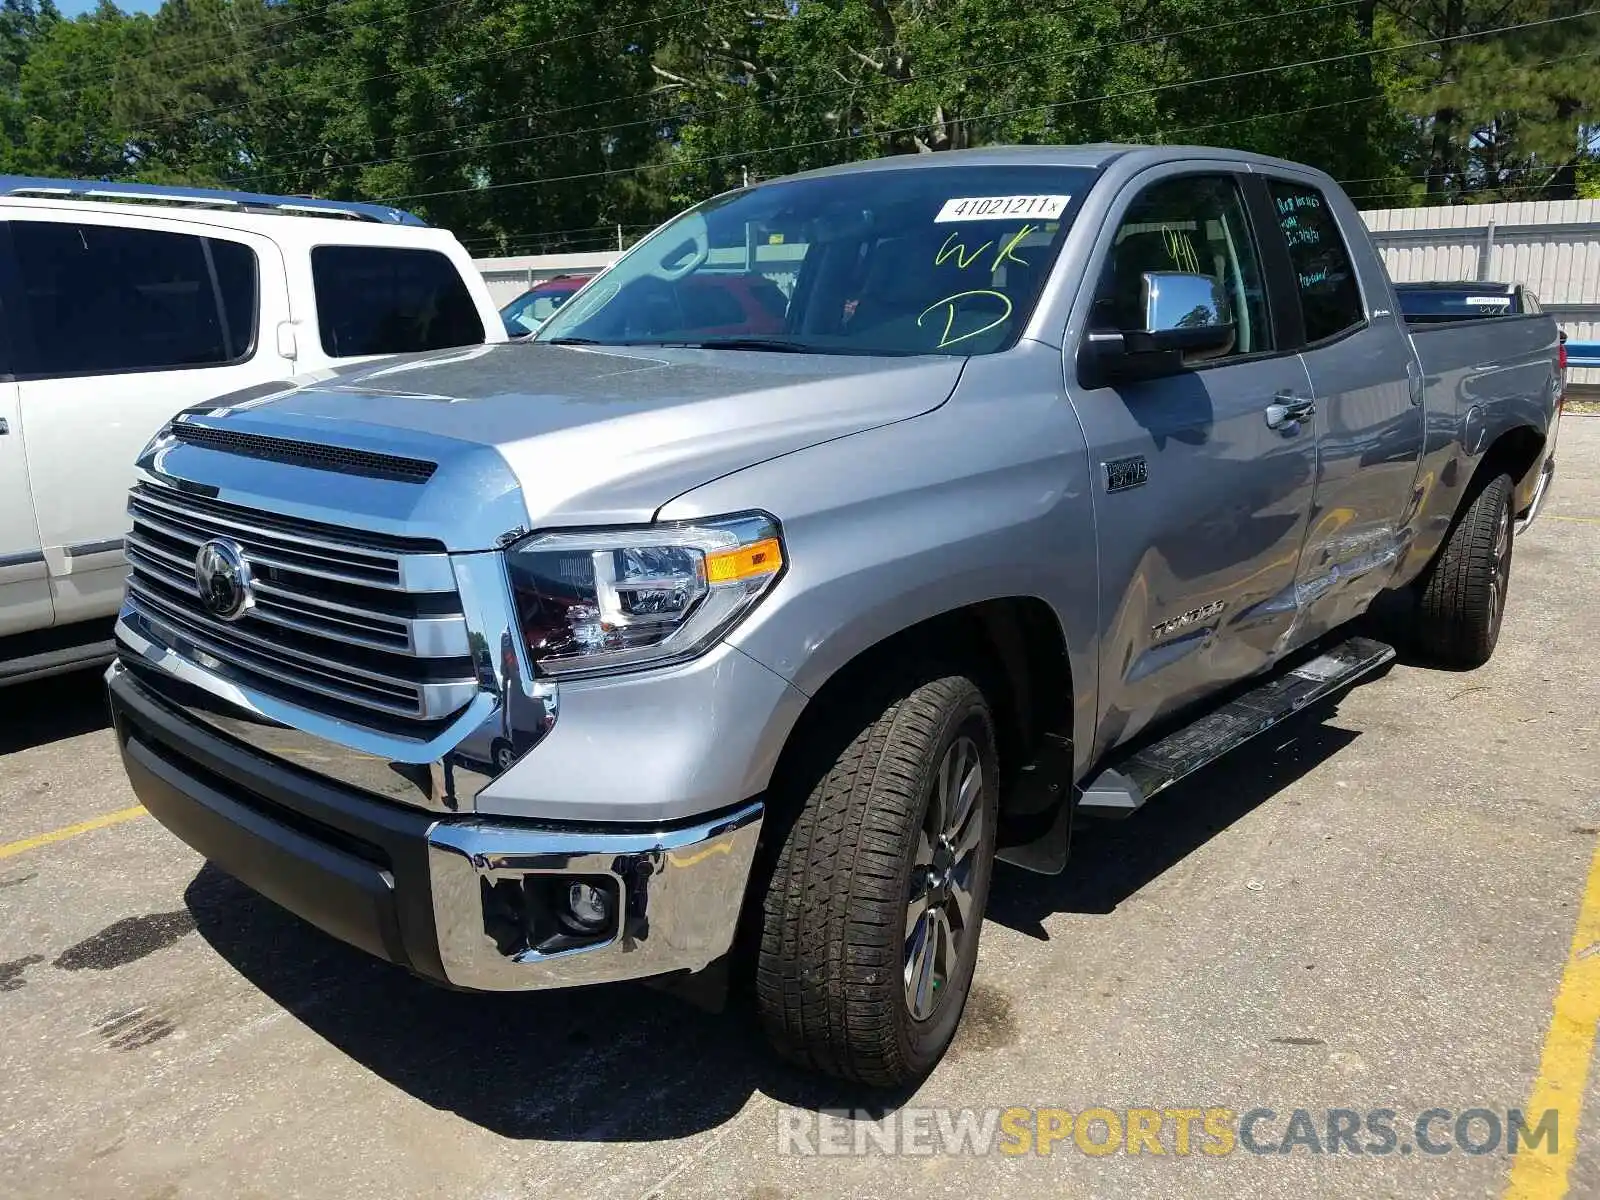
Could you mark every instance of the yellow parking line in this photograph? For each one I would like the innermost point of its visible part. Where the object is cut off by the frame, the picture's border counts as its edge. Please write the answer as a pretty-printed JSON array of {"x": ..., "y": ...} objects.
[
  {"x": 1579, "y": 520},
  {"x": 1568, "y": 1050},
  {"x": 71, "y": 831}
]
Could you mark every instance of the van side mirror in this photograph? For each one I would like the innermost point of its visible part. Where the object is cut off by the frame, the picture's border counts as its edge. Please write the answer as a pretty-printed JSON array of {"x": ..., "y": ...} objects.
[{"x": 1185, "y": 316}]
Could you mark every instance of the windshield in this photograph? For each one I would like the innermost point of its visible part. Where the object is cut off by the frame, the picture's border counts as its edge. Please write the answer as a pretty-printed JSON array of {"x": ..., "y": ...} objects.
[
  {"x": 1436, "y": 304},
  {"x": 920, "y": 260}
]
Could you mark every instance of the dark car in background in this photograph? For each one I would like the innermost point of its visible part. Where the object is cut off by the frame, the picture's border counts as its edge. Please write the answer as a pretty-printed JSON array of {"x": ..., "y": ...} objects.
[{"x": 1436, "y": 302}]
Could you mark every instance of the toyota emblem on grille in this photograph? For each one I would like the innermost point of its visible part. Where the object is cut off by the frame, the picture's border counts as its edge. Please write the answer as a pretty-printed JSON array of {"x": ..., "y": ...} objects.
[{"x": 222, "y": 579}]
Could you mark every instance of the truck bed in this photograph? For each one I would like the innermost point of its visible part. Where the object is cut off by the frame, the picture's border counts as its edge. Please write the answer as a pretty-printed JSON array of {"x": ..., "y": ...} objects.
[{"x": 1488, "y": 359}]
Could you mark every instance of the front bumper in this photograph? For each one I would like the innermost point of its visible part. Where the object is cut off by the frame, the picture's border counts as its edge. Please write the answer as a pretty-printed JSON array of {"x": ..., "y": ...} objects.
[{"x": 457, "y": 900}]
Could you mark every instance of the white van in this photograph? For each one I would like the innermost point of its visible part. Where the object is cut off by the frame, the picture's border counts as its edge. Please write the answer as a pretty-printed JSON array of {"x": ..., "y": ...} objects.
[{"x": 122, "y": 304}]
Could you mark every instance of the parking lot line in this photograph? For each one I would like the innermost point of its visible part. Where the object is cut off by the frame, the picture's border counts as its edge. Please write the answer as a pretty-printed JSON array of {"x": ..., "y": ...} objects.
[
  {"x": 71, "y": 831},
  {"x": 1579, "y": 520},
  {"x": 1568, "y": 1049}
]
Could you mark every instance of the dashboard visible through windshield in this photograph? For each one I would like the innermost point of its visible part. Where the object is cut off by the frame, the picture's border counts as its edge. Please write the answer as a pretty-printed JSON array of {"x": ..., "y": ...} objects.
[{"x": 918, "y": 260}]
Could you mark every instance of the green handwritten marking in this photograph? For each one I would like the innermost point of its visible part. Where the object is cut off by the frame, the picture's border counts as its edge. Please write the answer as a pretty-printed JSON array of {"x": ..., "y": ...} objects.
[
  {"x": 950, "y": 315},
  {"x": 963, "y": 259},
  {"x": 1006, "y": 254}
]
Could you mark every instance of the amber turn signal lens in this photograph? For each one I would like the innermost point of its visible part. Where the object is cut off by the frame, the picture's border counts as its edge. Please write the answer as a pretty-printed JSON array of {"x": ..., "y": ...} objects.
[{"x": 744, "y": 562}]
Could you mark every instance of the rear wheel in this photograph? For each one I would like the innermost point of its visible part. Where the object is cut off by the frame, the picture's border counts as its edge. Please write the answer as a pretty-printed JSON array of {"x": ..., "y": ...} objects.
[
  {"x": 872, "y": 916},
  {"x": 1463, "y": 598}
]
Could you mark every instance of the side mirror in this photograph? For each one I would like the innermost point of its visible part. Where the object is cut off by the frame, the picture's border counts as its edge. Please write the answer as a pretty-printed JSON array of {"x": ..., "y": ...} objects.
[
  {"x": 1185, "y": 317},
  {"x": 1182, "y": 312}
]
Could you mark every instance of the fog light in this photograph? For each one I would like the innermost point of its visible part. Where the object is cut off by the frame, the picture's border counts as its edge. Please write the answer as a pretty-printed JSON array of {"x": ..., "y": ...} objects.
[{"x": 588, "y": 908}]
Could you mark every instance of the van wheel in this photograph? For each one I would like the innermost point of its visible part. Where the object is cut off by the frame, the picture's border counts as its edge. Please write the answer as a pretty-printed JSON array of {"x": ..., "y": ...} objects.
[
  {"x": 870, "y": 922},
  {"x": 1464, "y": 596}
]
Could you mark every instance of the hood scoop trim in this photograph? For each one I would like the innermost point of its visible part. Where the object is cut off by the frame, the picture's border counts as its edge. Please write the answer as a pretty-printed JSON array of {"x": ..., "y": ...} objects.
[{"x": 315, "y": 456}]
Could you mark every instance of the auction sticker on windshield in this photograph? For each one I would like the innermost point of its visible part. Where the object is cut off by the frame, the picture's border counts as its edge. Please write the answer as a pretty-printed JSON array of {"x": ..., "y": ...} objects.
[{"x": 1001, "y": 208}]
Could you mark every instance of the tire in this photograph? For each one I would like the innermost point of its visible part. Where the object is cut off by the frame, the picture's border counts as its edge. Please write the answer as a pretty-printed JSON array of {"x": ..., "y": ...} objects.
[
  {"x": 1463, "y": 598},
  {"x": 838, "y": 942}
]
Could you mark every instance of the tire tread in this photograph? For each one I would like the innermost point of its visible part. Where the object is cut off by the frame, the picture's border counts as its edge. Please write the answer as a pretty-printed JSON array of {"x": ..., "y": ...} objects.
[{"x": 828, "y": 975}]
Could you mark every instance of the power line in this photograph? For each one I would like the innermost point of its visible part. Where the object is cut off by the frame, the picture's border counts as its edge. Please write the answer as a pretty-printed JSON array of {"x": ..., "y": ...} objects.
[
  {"x": 1033, "y": 108},
  {"x": 1370, "y": 96},
  {"x": 514, "y": 48},
  {"x": 540, "y": 115},
  {"x": 273, "y": 27},
  {"x": 966, "y": 68},
  {"x": 528, "y": 240}
]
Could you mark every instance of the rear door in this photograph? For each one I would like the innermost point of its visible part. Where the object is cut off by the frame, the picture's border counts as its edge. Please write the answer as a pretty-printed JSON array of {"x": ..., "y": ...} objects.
[
  {"x": 1201, "y": 504},
  {"x": 125, "y": 321},
  {"x": 1369, "y": 393},
  {"x": 24, "y": 589}
]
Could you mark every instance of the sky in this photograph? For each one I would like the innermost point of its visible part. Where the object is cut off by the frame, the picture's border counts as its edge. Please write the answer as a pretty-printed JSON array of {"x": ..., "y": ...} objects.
[{"x": 73, "y": 8}]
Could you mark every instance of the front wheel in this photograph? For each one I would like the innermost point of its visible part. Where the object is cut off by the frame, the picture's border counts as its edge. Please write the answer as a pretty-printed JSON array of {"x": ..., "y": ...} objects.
[{"x": 871, "y": 919}]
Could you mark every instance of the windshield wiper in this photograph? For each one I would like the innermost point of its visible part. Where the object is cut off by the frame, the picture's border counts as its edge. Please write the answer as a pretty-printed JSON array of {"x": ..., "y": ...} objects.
[
  {"x": 571, "y": 341},
  {"x": 776, "y": 345}
]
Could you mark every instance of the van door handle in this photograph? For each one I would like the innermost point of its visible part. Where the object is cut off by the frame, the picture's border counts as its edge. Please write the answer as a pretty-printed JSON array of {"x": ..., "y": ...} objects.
[
  {"x": 5, "y": 427},
  {"x": 1286, "y": 410}
]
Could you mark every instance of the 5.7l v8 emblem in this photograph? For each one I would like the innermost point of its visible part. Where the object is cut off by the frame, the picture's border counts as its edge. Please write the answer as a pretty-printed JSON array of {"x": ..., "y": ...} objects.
[{"x": 1124, "y": 473}]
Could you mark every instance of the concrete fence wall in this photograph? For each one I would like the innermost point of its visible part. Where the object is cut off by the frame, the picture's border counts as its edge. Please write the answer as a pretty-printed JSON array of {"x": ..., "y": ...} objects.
[{"x": 1551, "y": 246}]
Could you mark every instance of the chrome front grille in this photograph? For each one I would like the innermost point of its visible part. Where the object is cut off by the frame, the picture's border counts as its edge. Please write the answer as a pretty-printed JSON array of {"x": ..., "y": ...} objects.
[{"x": 362, "y": 626}]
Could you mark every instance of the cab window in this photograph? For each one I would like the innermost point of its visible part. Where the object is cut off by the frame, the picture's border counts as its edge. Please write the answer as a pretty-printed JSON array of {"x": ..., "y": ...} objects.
[
  {"x": 1330, "y": 298},
  {"x": 1192, "y": 225}
]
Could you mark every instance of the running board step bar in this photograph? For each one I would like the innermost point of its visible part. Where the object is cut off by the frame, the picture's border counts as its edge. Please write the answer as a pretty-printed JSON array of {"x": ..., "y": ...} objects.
[{"x": 1124, "y": 786}]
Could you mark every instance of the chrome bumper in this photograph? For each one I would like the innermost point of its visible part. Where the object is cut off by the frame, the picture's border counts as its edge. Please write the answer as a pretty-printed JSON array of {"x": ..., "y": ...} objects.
[
  {"x": 680, "y": 895},
  {"x": 433, "y": 893}
]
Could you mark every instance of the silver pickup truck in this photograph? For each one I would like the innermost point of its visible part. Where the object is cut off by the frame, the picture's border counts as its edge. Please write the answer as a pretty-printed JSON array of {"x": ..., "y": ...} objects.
[{"x": 683, "y": 637}]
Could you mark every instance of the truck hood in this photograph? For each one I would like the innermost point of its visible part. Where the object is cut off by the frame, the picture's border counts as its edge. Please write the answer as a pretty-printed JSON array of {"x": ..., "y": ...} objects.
[{"x": 591, "y": 435}]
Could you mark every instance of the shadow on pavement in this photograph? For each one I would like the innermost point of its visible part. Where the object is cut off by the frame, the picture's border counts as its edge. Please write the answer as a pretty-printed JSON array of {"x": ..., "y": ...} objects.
[
  {"x": 627, "y": 1063},
  {"x": 1111, "y": 860},
  {"x": 621, "y": 1063},
  {"x": 62, "y": 706}
]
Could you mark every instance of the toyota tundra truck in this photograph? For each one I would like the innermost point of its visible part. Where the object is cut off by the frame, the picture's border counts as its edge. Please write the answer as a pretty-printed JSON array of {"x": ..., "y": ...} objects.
[{"x": 647, "y": 649}]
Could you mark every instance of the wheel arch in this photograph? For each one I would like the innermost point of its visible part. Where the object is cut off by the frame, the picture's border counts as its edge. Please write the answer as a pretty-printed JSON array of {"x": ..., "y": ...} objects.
[
  {"x": 1013, "y": 647},
  {"x": 1518, "y": 452}
]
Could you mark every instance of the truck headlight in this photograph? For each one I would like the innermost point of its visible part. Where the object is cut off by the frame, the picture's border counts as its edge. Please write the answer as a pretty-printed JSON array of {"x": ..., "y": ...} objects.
[{"x": 598, "y": 600}]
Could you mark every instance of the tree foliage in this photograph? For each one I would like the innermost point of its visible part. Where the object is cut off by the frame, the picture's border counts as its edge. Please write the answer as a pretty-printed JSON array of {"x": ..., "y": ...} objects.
[{"x": 550, "y": 124}]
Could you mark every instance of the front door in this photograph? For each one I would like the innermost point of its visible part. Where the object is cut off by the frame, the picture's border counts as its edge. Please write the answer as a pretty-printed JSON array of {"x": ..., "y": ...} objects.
[
  {"x": 24, "y": 587},
  {"x": 1201, "y": 503},
  {"x": 125, "y": 327}
]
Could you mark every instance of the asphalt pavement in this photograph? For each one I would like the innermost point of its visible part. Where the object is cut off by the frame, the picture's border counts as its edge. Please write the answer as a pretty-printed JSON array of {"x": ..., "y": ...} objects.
[{"x": 1372, "y": 909}]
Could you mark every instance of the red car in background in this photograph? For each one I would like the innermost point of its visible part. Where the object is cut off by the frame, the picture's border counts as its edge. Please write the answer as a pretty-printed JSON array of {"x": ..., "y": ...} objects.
[
  {"x": 538, "y": 304},
  {"x": 712, "y": 305}
]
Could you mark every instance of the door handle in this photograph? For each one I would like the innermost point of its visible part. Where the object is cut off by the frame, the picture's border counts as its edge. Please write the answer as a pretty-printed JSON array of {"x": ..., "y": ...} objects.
[
  {"x": 1286, "y": 410},
  {"x": 5, "y": 426}
]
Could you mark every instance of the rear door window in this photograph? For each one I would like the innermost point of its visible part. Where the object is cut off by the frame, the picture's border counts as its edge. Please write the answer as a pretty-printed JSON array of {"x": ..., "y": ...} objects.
[
  {"x": 389, "y": 300},
  {"x": 100, "y": 299},
  {"x": 1330, "y": 297}
]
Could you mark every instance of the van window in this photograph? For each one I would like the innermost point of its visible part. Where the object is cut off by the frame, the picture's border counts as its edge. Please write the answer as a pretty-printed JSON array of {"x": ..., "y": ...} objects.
[
  {"x": 385, "y": 300},
  {"x": 101, "y": 299},
  {"x": 1330, "y": 298}
]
